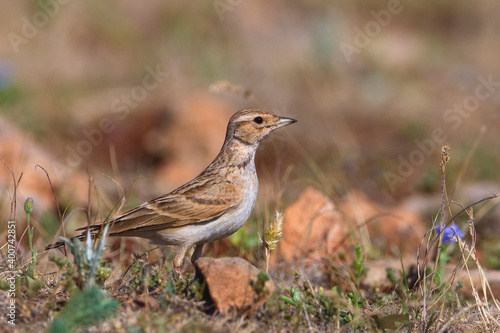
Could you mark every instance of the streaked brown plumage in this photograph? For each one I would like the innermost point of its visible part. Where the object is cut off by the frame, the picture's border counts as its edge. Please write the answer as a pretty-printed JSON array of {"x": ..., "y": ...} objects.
[{"x": 213, "y": 205}]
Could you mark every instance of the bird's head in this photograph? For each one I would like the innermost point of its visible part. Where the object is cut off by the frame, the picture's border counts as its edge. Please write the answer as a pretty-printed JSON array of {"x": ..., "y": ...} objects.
[{"x": 251, "y": 126}]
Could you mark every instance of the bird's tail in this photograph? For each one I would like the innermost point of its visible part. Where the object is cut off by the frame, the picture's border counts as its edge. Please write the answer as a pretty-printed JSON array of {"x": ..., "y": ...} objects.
[{"x": 94, "y": 231}]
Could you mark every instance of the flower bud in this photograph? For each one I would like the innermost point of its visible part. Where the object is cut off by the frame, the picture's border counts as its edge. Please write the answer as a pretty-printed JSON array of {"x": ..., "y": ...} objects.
[{"x": 28, "y": 205}]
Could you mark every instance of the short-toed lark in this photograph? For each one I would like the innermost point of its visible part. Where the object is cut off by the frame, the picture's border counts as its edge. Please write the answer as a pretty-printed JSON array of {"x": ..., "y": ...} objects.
[{"x": 213, "y": 205}]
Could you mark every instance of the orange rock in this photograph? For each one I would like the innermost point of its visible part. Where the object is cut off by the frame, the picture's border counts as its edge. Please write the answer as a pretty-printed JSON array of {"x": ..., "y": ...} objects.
[
  {"x": 232, "y": 284},
  {"x": 315, "y": 228},
  {"x": 397, "y": 230},
  {"x": 312, "y": 227}
]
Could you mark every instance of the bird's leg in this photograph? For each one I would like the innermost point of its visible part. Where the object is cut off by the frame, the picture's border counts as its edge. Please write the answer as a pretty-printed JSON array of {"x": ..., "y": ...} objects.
[
  {"x": 179, "y": 258},
  {"x": 197, "y": 253}
]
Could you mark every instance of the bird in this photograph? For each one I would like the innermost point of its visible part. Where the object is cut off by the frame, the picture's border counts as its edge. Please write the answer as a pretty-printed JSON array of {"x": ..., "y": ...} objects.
[{"x": 213, "y": 205}]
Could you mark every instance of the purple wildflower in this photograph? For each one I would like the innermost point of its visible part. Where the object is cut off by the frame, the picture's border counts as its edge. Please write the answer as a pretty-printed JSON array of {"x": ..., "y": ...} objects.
[{"x": 450, "y": 233}]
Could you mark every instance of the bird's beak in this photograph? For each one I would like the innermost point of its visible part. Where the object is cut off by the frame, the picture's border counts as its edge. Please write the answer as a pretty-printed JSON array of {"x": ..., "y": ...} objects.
[{"x": 284, "y": 121}]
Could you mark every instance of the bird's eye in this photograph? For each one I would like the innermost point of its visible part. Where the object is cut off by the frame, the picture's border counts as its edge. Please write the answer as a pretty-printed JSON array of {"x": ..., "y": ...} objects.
[{"x": 258, "y": 120}]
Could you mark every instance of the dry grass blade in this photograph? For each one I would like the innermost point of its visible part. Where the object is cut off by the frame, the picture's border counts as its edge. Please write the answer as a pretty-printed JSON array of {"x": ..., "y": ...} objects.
[
  {"x": 13, "y": 203},
  {"x": 428, "y": 279},
  {"x": 56, "y": 201}
]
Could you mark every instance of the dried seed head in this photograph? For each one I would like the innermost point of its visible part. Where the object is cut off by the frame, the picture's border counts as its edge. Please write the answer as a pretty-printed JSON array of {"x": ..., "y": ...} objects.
[
  {"x": 273, "y": 233},
  {"x": 445, "y": 157}
]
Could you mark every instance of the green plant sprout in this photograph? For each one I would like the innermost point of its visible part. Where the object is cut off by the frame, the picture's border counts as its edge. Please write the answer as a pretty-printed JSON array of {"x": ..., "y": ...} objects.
[
  {"x": 87, "y": 259},
  {"x": 90, "y": 305},
  {"x": 28, "y": 208}
]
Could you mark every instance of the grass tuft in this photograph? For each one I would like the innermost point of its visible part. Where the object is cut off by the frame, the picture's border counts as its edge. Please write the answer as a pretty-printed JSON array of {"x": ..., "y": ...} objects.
[{"x": 85, "y": 308}]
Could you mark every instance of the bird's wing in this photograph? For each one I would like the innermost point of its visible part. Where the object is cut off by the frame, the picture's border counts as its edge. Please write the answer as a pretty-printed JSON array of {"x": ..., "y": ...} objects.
[{"x": 193, "y": 203}]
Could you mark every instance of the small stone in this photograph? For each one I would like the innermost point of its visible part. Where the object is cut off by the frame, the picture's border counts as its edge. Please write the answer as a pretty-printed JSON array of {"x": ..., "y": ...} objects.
[
  {"x": 148, "y": 302},
  {"x": 234, "y": 284},
  {"x": 477, "y": 278}
]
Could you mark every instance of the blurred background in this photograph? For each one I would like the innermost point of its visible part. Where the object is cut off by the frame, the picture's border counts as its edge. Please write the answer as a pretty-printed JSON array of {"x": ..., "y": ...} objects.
[{"x": 125, "y": 96}]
